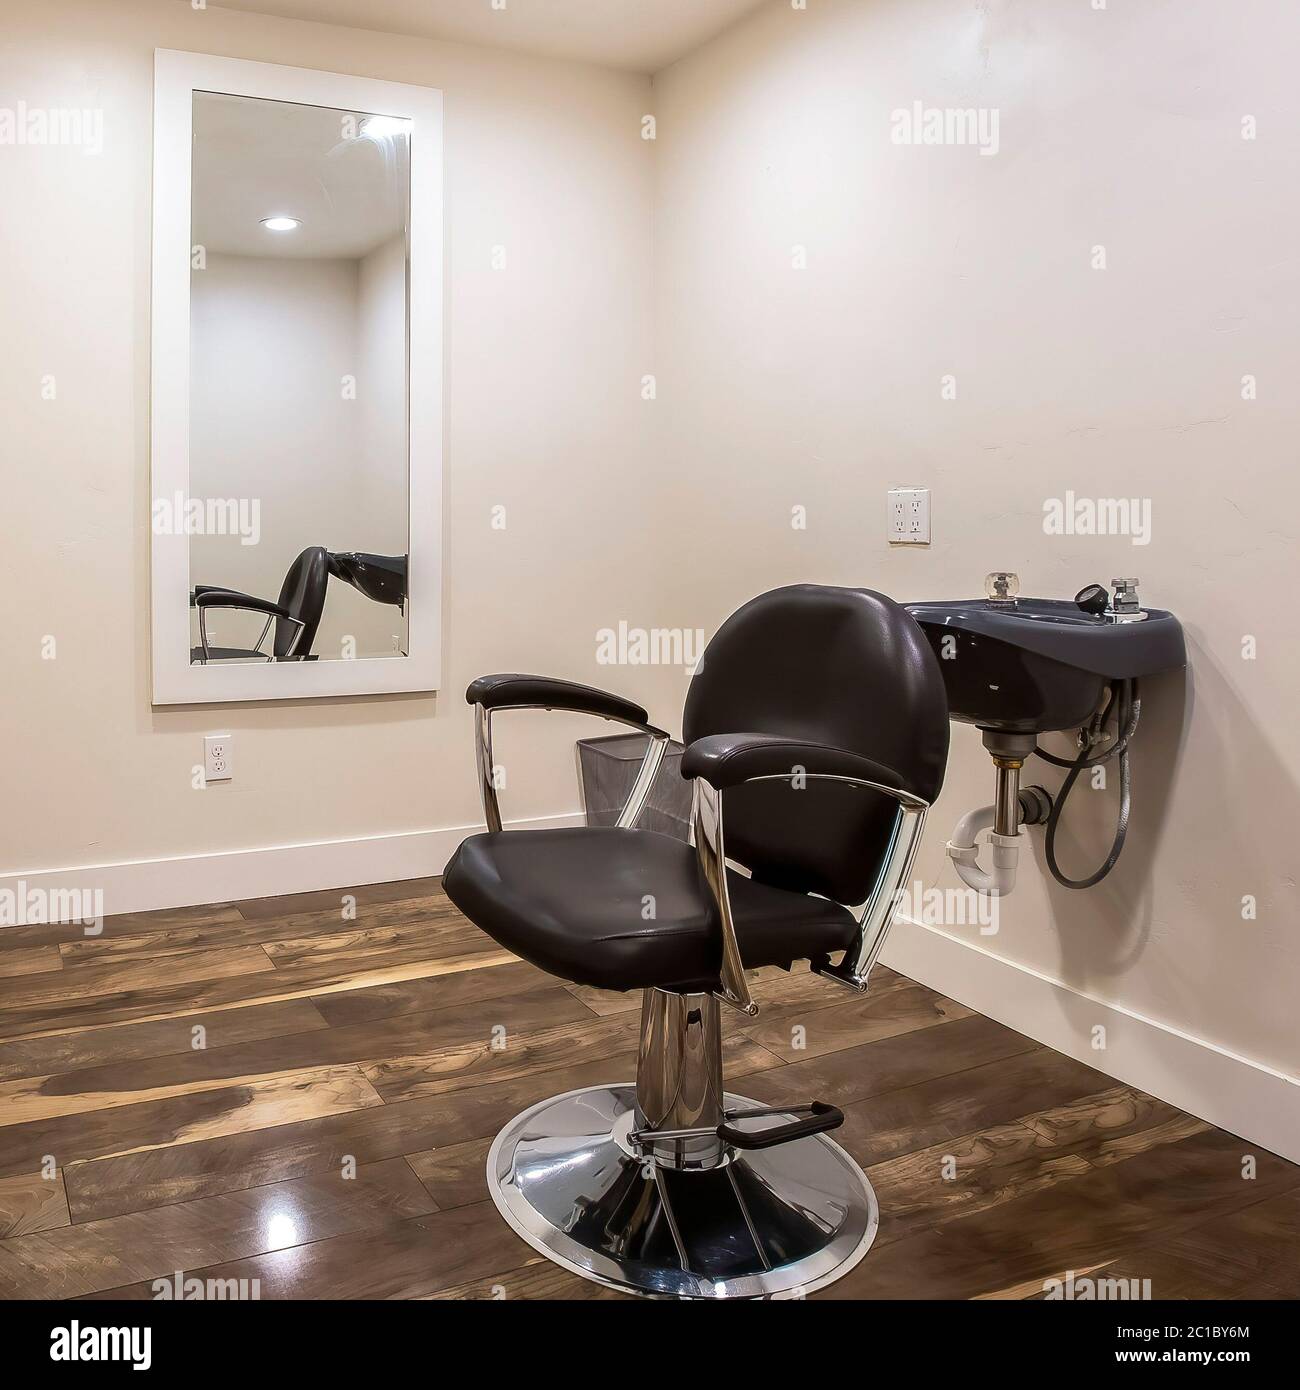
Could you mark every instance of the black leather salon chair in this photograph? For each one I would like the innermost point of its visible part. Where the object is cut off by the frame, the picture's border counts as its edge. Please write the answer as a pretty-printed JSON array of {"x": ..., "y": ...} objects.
[
  {"x": 296, "y": 615},
  {"x": 818, "y": 716}
]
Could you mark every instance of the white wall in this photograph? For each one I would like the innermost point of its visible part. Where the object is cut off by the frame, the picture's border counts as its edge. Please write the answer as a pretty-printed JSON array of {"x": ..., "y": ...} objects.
[
  {"x": 821, "y": 388},
  {"x": 544, "y": 417}
]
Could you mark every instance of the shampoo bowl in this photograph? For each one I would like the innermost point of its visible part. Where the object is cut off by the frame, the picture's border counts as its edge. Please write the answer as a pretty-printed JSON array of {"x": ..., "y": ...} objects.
[{"x": 1034, "y": 665}]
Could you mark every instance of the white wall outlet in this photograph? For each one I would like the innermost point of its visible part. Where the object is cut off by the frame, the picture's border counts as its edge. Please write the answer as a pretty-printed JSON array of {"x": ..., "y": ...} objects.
[
  {"x": 909, "y": 516},
  {"x": 218, "y": 758}
]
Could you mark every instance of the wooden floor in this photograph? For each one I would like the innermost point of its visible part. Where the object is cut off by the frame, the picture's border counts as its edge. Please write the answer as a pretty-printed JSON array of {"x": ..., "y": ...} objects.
[{"x": 274, "y": 1090}]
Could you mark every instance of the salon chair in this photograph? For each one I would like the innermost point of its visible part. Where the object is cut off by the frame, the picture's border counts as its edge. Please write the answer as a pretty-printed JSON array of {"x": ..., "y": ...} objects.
[
  {"x": 818, "y": 716},
  {"x": 296, "y": 615}
]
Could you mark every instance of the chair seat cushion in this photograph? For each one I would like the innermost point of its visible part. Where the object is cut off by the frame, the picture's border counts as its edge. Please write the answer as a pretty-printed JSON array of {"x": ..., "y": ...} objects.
[
  {"x": 226, "y": 654},
  {"x": 627, "y": 909}
]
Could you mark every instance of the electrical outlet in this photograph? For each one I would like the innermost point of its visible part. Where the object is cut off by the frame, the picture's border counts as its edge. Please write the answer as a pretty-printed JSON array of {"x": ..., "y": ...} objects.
[
  {"x": 909, "y": 516},
  {"x": 218, "y": 758}
]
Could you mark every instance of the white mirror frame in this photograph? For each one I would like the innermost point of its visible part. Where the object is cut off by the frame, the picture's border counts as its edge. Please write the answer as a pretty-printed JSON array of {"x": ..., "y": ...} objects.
[{"x": 177, "y": 76}]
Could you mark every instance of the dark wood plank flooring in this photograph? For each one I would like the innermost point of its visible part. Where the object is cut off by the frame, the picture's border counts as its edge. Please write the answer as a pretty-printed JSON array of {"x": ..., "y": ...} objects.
[{"x": 302, "y": 1090}]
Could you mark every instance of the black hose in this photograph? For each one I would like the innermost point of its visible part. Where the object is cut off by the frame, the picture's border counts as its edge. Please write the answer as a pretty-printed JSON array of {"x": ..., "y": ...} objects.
[{"x": 1123, "y": 694}]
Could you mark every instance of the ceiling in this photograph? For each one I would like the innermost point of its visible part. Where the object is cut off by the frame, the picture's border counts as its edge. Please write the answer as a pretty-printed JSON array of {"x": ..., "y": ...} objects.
[
  {"x": 256, "y": 159},
  {"x": 639, "y": 35}
]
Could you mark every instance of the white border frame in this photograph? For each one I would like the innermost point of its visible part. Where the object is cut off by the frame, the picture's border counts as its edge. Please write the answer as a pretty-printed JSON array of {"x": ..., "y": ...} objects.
[{"x": 177, "y": 76}]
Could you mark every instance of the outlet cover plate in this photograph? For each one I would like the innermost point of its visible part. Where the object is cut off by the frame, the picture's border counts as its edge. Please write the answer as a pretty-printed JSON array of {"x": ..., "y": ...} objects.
[
  {"x": 909, "y": 516},
  {"x": 218, "y": 758}
]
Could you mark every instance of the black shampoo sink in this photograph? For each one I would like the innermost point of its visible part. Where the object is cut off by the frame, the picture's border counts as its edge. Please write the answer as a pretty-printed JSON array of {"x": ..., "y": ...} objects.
[
  {"x": 1031, "y": 665},
  {"x": 379, "y": 577}
]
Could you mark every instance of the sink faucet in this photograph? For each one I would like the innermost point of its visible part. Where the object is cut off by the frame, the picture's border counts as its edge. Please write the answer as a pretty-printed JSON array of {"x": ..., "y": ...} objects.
[
  {"x": 1002, "y": 586},
  {"x": 1124, "y": 605}
]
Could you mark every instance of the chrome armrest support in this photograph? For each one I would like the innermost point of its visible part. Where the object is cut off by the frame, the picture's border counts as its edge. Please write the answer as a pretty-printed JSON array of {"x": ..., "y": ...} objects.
[
  {"x": 266, "y": 627},
  {"x": 706, "y": 827},
  {"x": 636, "y": 799},
  {"x": 877, "y": 915},
  {"x": 257, "y": 646},
  {"x": 891, "y": 879},
  {"x": 486, "y": 775},
  {"x": 645, "y": 776}
]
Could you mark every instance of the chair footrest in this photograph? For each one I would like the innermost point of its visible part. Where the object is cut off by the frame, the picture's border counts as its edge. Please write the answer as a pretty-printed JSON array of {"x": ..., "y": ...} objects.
[{"x": 817, "y": 1119}]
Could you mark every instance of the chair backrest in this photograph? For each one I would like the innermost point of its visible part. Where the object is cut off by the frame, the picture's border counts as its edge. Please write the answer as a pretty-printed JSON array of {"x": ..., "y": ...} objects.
[
  {"x": 303, "y": 594},
  {"x": 847, "y": 667}
]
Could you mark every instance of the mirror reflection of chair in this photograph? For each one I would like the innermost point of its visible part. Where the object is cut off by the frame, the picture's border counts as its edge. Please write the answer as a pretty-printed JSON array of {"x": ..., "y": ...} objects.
[
  {"x": 296, "y": 614},
  {"x": 818, "y": 714}
]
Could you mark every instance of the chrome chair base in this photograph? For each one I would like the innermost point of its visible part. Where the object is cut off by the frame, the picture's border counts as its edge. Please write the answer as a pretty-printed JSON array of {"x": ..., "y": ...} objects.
[{"x": 763, "y": 1223}]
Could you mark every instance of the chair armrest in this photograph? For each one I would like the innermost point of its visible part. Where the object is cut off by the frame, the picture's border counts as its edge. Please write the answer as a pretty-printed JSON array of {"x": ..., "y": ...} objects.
[
  {"x": 229, "y": 598},
  {"x": 208, "y": 589},
  {"x": 721, "y": 761},
  {"x": 511, "y": 691},
  {"x": 727, "y": 760},
  {"x": 205, "y": 597}
]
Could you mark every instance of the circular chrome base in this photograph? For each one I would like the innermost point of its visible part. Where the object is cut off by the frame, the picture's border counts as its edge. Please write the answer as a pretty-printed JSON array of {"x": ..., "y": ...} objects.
[{"x": 769, "y": 1223}]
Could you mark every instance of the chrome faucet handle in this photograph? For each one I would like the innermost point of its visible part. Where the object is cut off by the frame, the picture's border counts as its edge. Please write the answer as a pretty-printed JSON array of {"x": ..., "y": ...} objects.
[
  {"x": 1126, "y": 595},
  {"x": 1124, "y": 606},
  {"x": 1002, "y": 586}
]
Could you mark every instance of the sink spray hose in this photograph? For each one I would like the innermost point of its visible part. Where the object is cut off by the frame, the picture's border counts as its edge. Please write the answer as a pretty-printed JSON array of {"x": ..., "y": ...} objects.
[{"x": 1123, "y": 694}]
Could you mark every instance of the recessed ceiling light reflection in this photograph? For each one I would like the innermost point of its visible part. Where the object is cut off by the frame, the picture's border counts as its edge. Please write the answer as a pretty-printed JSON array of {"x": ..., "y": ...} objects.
[
  {"x": 384, "y": 127},
  {"x": 281, "y": 224}
]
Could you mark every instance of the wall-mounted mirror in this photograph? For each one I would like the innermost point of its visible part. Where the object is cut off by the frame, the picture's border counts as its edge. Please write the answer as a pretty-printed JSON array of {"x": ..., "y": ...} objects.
[{"x": 297, "y": 400}]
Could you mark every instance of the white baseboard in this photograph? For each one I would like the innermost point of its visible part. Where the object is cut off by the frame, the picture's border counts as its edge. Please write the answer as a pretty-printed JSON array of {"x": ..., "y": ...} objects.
[
  {"x": 1246, "y": 1098},
  {"x": 144, "y": 885}
]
